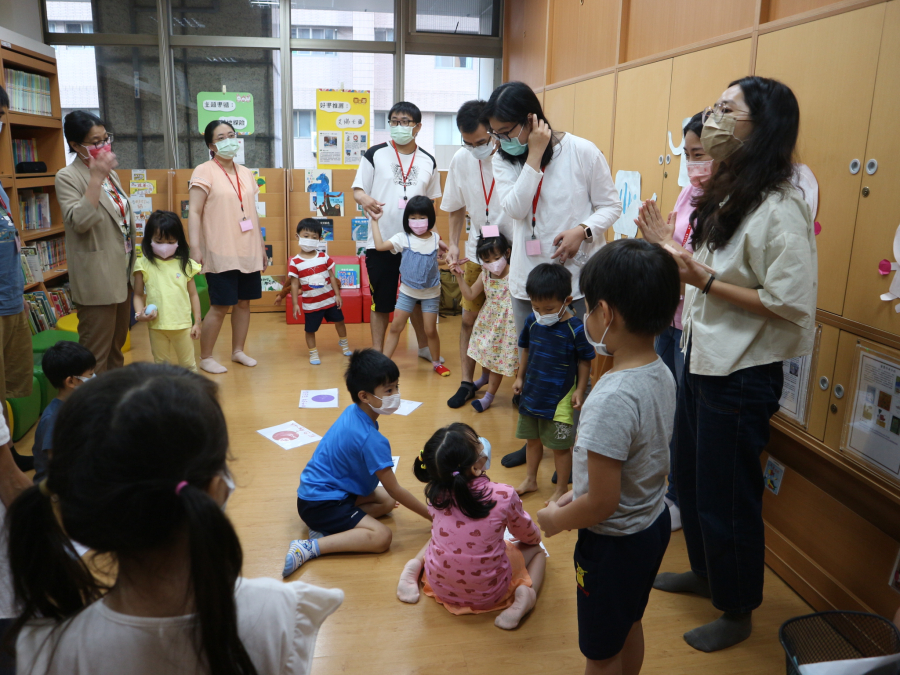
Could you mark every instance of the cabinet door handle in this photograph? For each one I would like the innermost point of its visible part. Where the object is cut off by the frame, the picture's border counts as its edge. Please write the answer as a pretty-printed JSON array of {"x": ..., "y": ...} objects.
[
  {"x": 855, "y": 166},
  {"x": 823, "y": 383},
  {"x": 839, "y": 391},
  {"x": 660, "y": 160},
  {"x": 669, "y": 159},
  {"x": 871, "y": 166}
]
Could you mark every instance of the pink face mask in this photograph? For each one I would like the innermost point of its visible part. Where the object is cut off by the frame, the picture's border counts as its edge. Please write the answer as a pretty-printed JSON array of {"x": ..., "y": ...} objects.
[
  {"x": 93, "y": 150},
  {"x": 698, "y": 172},
  {"x": 418, "y": 226},
  {"x": 495, "y": 267},
  {"x": 164, "y": 251}
]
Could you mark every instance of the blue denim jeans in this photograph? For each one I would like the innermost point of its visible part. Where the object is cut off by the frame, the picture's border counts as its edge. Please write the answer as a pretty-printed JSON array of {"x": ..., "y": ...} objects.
[
  {"x": 669, "y": 350},
  {"x": 721, "y": 428}
]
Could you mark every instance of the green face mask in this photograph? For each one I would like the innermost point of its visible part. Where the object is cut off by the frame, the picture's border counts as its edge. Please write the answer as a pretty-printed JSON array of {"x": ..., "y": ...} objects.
[
  {"x": 227, "y": 148},
  {"x": 402, "y": 135},
  {"x": 514, "y": 147}
]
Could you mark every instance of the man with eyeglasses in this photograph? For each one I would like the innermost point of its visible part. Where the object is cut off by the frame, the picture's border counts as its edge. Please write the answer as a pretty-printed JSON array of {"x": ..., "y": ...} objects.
[
  {"x": 469, "y": 198},
  {"x": 389, "y": 175},
  {"x": 15, "y": 336}
]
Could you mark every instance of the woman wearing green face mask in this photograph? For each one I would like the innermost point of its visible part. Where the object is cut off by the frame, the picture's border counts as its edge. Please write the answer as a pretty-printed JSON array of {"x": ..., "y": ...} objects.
[
  {"x": 226, "y": 239},
  {"x": 750, "y": 304}
]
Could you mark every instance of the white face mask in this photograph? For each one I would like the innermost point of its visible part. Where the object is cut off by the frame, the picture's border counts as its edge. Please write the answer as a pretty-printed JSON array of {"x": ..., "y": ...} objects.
[
  {"x": 481, "y": 152},
  {"x": 389, "y": 404},
  {"x": 548, "y": 319},
  {"x": 308, "y": 244},
  {"x": 229, "y": 483},
  {"x": 485, "y": 452},
  {"x": 1, "y": 125},
  {"x": 495, "y": 267},
  {"x": 599, "y": 347}
]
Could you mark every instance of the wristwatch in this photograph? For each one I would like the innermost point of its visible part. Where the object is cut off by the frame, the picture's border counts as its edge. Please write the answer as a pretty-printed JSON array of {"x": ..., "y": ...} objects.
[{"x": 588, "y": 235}]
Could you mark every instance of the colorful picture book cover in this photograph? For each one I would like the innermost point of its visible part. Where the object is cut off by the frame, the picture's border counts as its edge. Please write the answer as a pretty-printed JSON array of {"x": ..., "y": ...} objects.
[
  {"x": 360, "y": 229},
  {"x": 327, "y": 228}
]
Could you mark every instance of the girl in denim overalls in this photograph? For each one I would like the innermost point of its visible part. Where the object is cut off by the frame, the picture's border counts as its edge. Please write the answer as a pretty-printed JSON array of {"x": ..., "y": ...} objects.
[{"x": 420, "y": 279}]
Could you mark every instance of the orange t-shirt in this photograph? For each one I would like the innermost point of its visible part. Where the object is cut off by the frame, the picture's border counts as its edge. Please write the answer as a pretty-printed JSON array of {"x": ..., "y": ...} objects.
[{"x": 222, "y": 243}]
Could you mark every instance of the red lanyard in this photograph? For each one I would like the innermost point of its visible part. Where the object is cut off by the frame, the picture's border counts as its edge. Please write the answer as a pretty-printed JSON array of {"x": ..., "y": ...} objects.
[
  {"x": 534, "y": 204},
  {"x": 114, "y": 193},
  {"x": 405, "y": 176},
  {"x": 237, "y": 179},
  {"x": 3, "y": 204},
  {"x": 686, "y": 235},
  {"x": 487, "y": 195}
]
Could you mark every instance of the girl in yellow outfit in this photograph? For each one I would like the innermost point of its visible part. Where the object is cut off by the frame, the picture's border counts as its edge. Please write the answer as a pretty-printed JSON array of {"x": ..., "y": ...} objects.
[{"x": 166, "y": 273}]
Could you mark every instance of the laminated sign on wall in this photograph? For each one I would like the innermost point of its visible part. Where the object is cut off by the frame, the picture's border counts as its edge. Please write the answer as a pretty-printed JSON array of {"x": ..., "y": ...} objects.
[
  {"x": 236, "y": 108},
  {"x": 343, "y": 119}
]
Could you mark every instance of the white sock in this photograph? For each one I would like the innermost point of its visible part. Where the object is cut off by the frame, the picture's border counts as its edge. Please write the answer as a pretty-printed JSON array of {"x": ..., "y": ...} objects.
[
  {"x": 240, "y": 357},
  {"x": 210, "y": 365}
]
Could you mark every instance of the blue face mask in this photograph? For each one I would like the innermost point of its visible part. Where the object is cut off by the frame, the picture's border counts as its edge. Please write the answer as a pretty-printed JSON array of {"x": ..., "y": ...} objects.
[{"x": 514, "y": 147}]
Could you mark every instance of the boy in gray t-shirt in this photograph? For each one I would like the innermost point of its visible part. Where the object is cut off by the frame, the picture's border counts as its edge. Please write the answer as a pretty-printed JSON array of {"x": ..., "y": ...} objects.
[{"x": 621, "y": 455}]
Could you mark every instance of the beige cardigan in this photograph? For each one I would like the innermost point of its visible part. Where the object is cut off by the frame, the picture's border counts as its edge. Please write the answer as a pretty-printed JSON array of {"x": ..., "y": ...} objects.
[{"x": 99, "y": 268}]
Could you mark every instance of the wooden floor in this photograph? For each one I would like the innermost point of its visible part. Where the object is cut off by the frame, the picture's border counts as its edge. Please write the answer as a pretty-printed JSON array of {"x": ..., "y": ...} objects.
[{"x": 373, "y": 632}]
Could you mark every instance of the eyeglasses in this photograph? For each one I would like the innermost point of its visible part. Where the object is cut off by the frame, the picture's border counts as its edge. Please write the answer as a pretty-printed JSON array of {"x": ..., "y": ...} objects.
[
  {"x": 719, "y": 110},
  {"x": 402, "y": 123},
  {"x": 100, "y": 144},
  {"x": 506, "y": 136}
]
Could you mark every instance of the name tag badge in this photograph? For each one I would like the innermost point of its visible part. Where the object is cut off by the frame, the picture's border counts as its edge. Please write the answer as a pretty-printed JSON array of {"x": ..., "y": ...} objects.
[
  {"x": 491, "y": 231},
  {"x": 128, "y": 246},
  {"x": 401, "y": 203},
  {"x": 246, "y": 225},
  {"x": 532, "y": 246}
]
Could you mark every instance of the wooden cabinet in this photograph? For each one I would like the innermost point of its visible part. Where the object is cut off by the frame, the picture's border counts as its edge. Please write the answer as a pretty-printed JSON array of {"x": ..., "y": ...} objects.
[
  {"x": 830, "y": 65},
  {"x": 878, "y": 215},
  {"x": 642, "y": 104},
  {"x": 559, "y": 107},
  {"x": 698, "y": 79},
  {"x": 594, "y": 111},
  {"x": 822, "y": 381},
  {"x": 525, "y": 41},
  {"x": 582, "y": 37}
]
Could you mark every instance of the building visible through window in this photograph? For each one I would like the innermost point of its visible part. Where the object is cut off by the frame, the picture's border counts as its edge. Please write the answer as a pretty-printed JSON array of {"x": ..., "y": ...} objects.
[
  {"x": 304, "y": 123},
  {"x": 453, "y": 62}
]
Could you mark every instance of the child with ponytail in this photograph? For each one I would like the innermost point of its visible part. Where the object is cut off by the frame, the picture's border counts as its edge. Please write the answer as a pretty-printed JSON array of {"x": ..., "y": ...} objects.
[
  {"x": 139, "y": 472},
  {"x": 469, "y": 567}
]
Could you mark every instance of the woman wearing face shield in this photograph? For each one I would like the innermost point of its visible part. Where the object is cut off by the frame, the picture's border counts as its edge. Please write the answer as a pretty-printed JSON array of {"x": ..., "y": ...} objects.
[
  {"x": 750, "y": 303},
  {"x": 99, "y": 226}
]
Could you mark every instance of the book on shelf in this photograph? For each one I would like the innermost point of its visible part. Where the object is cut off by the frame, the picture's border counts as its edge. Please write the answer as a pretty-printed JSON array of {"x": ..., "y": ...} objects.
[
  {"x": 28, "y": 92},
  {"x": 24, "y": 150},
  {"x": 51, "y": 252},
  {"x": 45, "y": 308},
  {"x": 32, "y": 260},
  {"x": 34, "y": 209}
]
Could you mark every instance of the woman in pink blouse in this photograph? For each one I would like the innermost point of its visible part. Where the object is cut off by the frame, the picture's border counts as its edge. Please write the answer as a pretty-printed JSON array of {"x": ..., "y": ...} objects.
[
  {"x": 470, "y": 568},
  {"x": 226, "y": 239}
]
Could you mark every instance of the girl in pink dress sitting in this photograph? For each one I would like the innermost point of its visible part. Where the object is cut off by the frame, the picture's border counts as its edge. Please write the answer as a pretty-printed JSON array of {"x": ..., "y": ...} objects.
[{"x": 469, "y": 567}]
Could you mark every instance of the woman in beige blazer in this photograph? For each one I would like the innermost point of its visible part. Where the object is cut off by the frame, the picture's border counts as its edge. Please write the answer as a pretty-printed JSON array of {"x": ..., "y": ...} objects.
[{"x": 99, "y": 239}]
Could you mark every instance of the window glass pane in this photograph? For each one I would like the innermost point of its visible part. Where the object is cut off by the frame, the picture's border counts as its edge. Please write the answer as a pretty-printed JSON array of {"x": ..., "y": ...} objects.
[
  {"x": 361, "y": 71},
  {"x": 240, "y": 18},
  {"x": 252, "y": 71},
  {"x": 470, "y": 17},
  {"x": 380, "y": 122},
  {"x": 121, "y": 86},
  {"x": 345, "y": 19},
  {"x": 101, "y": 16},
  {"x": 439, "y": 92},
  {"x": 304, "y": 123}
]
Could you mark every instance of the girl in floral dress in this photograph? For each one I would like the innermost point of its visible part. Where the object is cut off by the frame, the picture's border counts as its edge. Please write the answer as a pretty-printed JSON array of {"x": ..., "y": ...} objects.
[{"x": 494, "y": 343}]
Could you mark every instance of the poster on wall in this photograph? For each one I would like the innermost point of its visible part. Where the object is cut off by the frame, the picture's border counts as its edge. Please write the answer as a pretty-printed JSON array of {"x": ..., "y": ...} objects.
[
  {"x": 236, "y": 108},
  {"x": 142, "y": 207},
  {"x": 343, "y": 119},
  {"x": 628, "y": 185},
  {"x": 872, "y": 431},
  {"x": 795, "y": 393}
]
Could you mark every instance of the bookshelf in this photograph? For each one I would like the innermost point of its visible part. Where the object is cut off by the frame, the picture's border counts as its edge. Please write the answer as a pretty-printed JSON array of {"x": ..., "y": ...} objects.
[{"x": 31, "y": 80}]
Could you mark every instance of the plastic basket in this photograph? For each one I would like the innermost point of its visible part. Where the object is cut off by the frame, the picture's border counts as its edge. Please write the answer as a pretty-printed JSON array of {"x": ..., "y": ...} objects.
[{"x": 836, "y": 636}]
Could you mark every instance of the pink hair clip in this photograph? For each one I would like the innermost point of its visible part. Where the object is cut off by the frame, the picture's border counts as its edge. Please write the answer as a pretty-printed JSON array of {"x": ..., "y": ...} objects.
[{"x": 180, "y": 487}]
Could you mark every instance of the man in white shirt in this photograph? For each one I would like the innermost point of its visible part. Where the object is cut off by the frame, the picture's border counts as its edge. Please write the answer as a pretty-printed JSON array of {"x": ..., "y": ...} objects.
[
  {"x": 470, "y": 188},
  {"x": 389, "y": 175}
]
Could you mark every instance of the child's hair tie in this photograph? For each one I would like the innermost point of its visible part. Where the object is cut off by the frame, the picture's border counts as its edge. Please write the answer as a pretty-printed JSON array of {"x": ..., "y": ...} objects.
[
  {"x": 455, "y": 473},
  {"x": 423, "y": 466},
  {"x": 180, "y": 487}
]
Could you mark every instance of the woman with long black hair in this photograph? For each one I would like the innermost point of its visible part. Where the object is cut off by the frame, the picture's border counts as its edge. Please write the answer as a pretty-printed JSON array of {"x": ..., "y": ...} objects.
[{"x": 750, "y": 304}]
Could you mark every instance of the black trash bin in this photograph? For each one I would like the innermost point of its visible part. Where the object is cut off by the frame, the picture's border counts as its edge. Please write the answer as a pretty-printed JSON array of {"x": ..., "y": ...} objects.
[{"x": 836, "y": 636}]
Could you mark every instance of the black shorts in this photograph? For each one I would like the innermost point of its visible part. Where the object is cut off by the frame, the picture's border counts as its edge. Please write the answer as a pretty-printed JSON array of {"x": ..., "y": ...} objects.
[
  {"x": 383, "y": 268},
  {"x": 331, "y": 516},
  {"x": 312, "y": 320},
  {"x": 226, "y": 288},
  {"x": 613, "y": 577}
]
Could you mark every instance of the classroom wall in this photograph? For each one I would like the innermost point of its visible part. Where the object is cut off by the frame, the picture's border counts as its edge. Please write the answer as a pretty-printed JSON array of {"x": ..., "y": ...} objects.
[{"x": 625, "y": 73}]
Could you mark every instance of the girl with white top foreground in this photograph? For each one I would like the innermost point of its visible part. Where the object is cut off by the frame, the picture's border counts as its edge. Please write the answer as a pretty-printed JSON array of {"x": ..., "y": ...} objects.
[
  {"x": 139, "y": 471},
  {"x": 555, "y": 188},
  {"x": 750, "y": 303}
]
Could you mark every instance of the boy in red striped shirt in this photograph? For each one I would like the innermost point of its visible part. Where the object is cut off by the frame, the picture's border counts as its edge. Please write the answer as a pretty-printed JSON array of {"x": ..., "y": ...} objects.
[{"x": 312, "y": 273}]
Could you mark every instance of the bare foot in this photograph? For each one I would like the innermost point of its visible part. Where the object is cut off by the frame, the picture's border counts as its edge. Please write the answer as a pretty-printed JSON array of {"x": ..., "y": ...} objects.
[
  {"x": 556, "y": 496},
  {"x": 408, "y": 587},
  {"x": 511, "y": 616},
  {"x": 528, "y": 485}
]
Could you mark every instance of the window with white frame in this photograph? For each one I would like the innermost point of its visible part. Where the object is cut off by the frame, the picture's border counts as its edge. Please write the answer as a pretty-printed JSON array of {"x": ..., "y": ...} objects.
[
  {"x": 453, "y": 62},
  {"x": 445, "y": 130},
  {"x": 384, "y": 35},
  {"x": 304, "y": 123},
  {"x": 314, "y": 33}
]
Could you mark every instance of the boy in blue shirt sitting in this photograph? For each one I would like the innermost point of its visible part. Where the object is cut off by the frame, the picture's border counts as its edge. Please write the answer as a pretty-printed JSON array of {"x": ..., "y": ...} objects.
[
  {"x": 339, "y": 498},
  {"x": 67, "y": 365},
  {"x": 553, "y": 374}
]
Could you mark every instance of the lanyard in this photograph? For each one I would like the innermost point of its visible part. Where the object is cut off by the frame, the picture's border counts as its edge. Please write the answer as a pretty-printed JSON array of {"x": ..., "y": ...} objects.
[
  {"x": 534, "y": 204},
  {"x": 686, "y": 235},
  {"x": 405, "y": 176},
  {"x": 5, "y": 207},
  {"x": 237, "y": 179},
  {"x": 114, "y": 194},
  {"x": 487, "y": 195}
]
